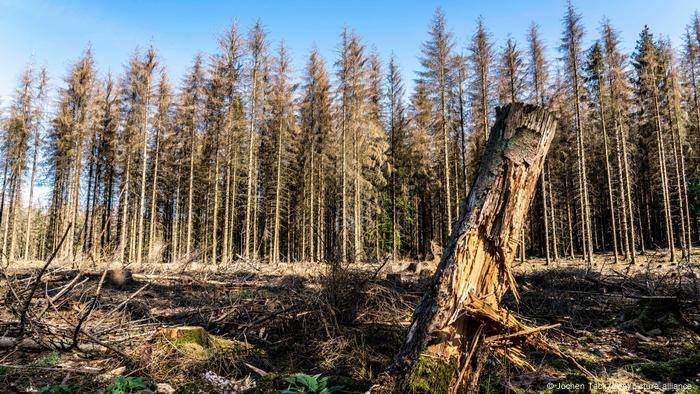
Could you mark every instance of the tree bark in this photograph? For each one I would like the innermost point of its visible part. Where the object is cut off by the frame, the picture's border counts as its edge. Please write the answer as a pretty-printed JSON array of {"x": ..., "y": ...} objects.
[
  {"x": 460, "y": 314},
  {"x": 608, "y": 175}
]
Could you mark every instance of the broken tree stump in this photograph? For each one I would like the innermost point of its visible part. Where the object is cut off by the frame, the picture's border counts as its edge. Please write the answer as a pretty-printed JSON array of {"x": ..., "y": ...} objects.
[{"x": 460, "y": 314}]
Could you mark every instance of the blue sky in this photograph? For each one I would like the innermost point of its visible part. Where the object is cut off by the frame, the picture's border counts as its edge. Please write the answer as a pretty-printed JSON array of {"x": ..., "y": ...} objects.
[{"x": 54, "y": 33}]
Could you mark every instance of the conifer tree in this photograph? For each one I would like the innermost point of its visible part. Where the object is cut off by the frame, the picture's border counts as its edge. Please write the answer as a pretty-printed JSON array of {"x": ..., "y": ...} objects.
[
  {"x": 257, "y": 62},
  {"x": 571, "y": 48}
]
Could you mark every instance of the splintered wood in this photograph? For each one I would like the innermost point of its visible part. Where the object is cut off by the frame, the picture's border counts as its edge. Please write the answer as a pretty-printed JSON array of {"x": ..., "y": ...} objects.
[{"x": 460, "y": 312}]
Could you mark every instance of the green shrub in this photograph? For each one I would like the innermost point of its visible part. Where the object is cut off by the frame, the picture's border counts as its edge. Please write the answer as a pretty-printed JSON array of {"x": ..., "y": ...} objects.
[
  {"x": 49, "y": 360},
  {"x": 56, "y": 388},
  {"x": 128, "y": 384},
  {"x": 306, "y": 384}
]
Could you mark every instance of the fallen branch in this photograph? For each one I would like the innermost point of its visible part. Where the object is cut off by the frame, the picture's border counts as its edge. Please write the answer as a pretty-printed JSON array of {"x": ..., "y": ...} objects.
[
  {"x": 85, "y": 370},
  {"x": 35, "y": 285}
]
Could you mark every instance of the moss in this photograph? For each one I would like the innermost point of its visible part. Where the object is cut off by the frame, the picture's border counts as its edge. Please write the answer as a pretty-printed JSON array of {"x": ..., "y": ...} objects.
[
  {"x": 688, "y": 346},
  {"x": 586, "y": 357},
  {"x": 272, "y": 382},
  {"x": 349, "y": 383},
  {"x": 223, "y": 343},
  {"x": 193, "y": 351},
  {"x": 49, "y": 360},
  {"x": 577, "y": 382},
  {"x": 247, "y": 293},
  {"x": 428, "y": 375},
  {"x": 193, "y": 387},
  {"x": 654, "y": 314},
  {"x": 196, "y": 335},
  {"x": 693, "y": 389},
  {"x": 654, "y": 351},
  {"x": 559, "y": 364},
  {"x": 178, "y": 354},
  {"x": 490, "y": 379},
  {"x": 675, "y": 370}
]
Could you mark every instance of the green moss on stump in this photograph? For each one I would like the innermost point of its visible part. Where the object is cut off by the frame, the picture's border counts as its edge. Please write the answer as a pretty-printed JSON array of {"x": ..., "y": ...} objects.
[
  {"x": 428, "y": 375},
  {"x": 187, "y": 335},
  {"x": 675, "y": 370}
]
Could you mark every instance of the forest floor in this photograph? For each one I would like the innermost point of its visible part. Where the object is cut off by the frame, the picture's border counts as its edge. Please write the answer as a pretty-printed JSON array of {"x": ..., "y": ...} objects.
[{"x": 634, "y": 328}]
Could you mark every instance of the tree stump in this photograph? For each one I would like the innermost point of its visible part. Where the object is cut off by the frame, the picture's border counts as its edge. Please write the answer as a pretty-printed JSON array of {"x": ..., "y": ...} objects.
[
  {"x": 120, "y": 278},
  {"x": 186, "y": 334},
  {"x": 460, "y": 313}
]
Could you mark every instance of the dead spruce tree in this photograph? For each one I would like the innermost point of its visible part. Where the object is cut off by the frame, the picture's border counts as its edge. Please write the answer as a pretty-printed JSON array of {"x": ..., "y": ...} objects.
[
  {"x": 596, "y": 83},
  {"x": 618, "y": 92},
  {"x": 647, "y": 66},
  {"x": 256, "y": 69},
  {"x": 316, "y": 128},
  {"x": 435, "y": 58},
  {"x": 459, "y": 314},
  {"x": 571, "y": 48}
]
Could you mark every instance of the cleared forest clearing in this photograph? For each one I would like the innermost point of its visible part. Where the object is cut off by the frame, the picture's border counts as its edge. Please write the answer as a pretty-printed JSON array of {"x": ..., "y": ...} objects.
[{"x": 626, "y": 325}]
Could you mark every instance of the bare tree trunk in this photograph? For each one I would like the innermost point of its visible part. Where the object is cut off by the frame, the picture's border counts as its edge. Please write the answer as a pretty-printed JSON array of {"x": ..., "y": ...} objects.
[
  {"x": 190, "y": 196},
  {"x": 628, "y": 194},
  {"x": 215, "y": 210},
  {"x": 4, "y": 189},
  {"x": 587, "y": 240},
  {"x": 227, "y": 202},
  {"x": 460, "y": 312},
  {"x": 125, "y": 209},
  {"x": 462, "y": 134},
  {"x": 357, "y": 205},
  {"x": 321, "y": 214},
  {"x": 312, "y": 219},
  {"x": 154, "y": 188},
  {"x": 445, "y": 141},
  {"x": 607, "y": 172},
  {"x": 555, "y": 240},
  {"x": 256, "y": 206},
  {"x": 684, "y": 182},
  {"x": 31, "y": 195},
  {"x": 10, "y": 215},
  {"x": 681, "y": 182},
  {"x": 74, "y": 198},
  {"x": 142, "y": 201},
  {"x": 175, "y": 242},
  {"x": 696, "y": 101},
  {"x": 344, "y": 208},
  {"x": 664, "y": 180},
  {"x": 627, "y": 243},
  {"x": 16, "y": 209},
  {"x": 234, "y": 194},
  {"x": 278, "y": 190},
  {"x": 251, "y": 150},
  {"x": 543, "y": 188}
]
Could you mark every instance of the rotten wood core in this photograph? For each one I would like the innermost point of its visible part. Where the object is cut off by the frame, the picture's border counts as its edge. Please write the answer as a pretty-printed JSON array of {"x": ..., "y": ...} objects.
[{"x": 460, "y": 313}]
